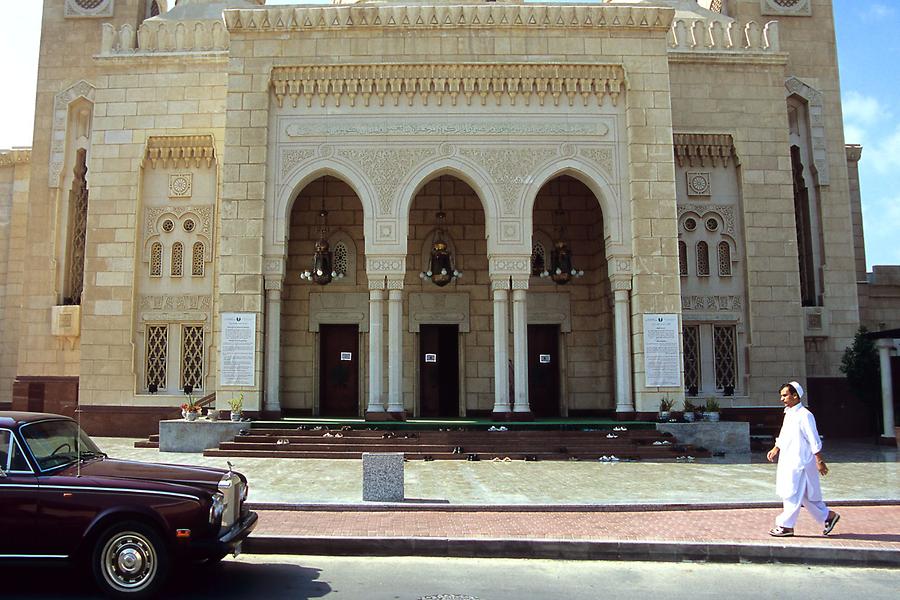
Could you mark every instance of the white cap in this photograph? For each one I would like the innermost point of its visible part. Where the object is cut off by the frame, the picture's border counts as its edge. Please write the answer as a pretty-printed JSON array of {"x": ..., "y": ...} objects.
[{"x": 797, "y": 387}]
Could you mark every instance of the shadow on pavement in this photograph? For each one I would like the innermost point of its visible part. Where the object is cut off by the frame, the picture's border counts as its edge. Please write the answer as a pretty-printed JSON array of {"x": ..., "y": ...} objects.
[{"x": 230, "y": 579}]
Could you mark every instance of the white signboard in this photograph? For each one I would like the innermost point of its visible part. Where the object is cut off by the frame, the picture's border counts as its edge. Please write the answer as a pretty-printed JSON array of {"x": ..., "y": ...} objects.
[
  {"x": 431, "y": 358},
  {"x": 544, "y": 359},
  {"x": 238, "y": 349},
  {"x": 346, "y": 356},
  {"x": 662, "y": 353}
]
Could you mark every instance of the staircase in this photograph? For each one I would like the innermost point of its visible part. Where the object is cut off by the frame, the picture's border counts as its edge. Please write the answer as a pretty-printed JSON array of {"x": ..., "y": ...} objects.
[{"x": 456, "y": 444}]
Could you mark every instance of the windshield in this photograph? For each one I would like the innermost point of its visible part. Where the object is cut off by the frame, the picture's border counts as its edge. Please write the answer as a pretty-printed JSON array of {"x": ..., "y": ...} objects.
[{"x": 55, "y": 443}]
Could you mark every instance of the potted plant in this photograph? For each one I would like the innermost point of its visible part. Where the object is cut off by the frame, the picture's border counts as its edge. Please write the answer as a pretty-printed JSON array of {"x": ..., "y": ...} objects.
[
  {"x": 665, "y": 408},
  {"x": 237, "y": 405},
  {"x": 689, "y": 410},
  {"x": 190, "y": 410},
  {"x": 712, "y": 410}
]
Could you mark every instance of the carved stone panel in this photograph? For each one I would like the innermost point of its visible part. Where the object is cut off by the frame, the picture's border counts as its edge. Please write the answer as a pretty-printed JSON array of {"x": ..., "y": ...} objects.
[
  {"x": 550, "y": 309},
  {"x": 181, "y": 185},
  {"x": 438, "y": 309},
  {"x": 698, "y": 183},
  {"x": 175, "y": 308},
  {"x": 786, "y": 7},
  {"x": 89, "y": 8},
  {"x": 387, "y": 167},
  {"x": 509, "y": 168},
  {"x": 346, "y": 308}
]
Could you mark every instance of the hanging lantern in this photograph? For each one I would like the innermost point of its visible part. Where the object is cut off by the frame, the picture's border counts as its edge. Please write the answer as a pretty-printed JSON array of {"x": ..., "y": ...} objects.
[
  {"x": 440, "y": 264},
  {"x": 322, "y": 272},
  {"x": 561, "y": 270}
]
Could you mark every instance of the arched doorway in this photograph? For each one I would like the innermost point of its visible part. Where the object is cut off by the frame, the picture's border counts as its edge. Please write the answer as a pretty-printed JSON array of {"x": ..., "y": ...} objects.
[
  {"x": 322, "y": 360},
  {"x": 571, "y": 363}
]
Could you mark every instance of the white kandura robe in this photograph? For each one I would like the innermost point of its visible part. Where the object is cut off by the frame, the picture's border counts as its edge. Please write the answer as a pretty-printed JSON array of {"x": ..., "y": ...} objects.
[{"x": 798, "y": 443}]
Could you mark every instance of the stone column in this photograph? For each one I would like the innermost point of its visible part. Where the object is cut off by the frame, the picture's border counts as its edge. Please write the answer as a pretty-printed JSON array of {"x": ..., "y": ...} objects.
[
  {"x": 620, "y": 282},
  {"x": 501, "y": 348},
  {"x": 272, "y": 406},
  {"x": 887, "y": 391},
  {"x": 395, "y": 348},
  {"x": 521, "y": 407},
  {"x": 375, "y": 409}
]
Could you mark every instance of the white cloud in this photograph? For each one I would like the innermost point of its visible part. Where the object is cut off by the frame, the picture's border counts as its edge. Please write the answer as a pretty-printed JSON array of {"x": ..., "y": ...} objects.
[
  {"x": 878, "y": 11},
  {"x": 870, "y": 122},
  {"x": 863, "y": 110},
  {"x": 881, "y": 220}
]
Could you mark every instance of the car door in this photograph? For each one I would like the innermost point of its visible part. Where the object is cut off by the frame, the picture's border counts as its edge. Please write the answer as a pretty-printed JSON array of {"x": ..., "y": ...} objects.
[{"x": 18, "y": 499}]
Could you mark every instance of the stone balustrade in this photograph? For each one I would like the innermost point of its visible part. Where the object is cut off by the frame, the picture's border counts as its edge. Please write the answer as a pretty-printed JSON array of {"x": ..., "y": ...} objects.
[
  {"x": 160, "y": 36},
  {"x": 721, "y": 35}
]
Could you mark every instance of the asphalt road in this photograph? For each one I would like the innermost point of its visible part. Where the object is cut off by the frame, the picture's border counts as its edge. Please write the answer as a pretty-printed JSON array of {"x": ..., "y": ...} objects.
[{"x": 351, "y": 578}]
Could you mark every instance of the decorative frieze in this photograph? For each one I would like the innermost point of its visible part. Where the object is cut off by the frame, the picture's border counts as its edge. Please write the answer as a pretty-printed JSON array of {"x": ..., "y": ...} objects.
[
  {"x": 387, "y": 167},
  {"x": 791, "y": 8},
  {"x": 410, "y": 125},
  {"x": 726, "y": 211},
  {"x": 712, "y": 303},
  {"x": 159, "y": 36},
  {"x": 89, "y": 8},
  {"x": 704, "y": 149},
  {"x": 175, "y": 308},
  {"x": 386, "y": 265},
  {"x": 448, "y": 16},
  {"x": 720, "y": 35},
  {"x": 180, "y": 151},
  {"x": 16, "y": 156},
  {"x": 450, "y": 82}
]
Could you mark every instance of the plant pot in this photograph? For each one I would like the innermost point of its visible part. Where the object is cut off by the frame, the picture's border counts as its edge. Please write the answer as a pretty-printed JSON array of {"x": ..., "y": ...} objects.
[
  {"x": 235, "y": 416},
  {"x": 190, "y": 415},
  {"x": 712, "y": 417},
  {"x": 688, "y": 417}
]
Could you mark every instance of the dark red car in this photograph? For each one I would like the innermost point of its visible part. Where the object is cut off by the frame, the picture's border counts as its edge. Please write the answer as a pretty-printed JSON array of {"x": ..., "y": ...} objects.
[{"x": 62, "y": 498}]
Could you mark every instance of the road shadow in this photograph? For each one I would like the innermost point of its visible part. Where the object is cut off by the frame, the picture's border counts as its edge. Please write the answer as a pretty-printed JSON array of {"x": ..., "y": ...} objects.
[{"x": 229, "y": 579}]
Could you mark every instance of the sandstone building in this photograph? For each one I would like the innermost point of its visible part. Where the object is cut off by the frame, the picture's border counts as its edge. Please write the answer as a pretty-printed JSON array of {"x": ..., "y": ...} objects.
[{"x": 680, "y": 163}]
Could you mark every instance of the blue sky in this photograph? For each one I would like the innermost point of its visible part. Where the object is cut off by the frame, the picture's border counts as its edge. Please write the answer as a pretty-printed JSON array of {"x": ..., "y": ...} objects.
[{"x": 868, "y": 52}]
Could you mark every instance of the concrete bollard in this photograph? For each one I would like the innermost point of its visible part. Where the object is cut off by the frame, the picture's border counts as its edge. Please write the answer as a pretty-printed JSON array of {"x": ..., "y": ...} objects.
[{"x": 382, "y": 476}]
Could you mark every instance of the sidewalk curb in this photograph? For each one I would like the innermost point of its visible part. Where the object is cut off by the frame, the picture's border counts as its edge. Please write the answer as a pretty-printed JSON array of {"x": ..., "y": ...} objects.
[
  {"x": 413, "y": 505},
  {"x": 573, "y": 550}
]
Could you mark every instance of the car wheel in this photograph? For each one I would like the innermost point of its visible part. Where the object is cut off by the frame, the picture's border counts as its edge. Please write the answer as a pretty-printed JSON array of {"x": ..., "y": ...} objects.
[{"x": 130, "y": 560}]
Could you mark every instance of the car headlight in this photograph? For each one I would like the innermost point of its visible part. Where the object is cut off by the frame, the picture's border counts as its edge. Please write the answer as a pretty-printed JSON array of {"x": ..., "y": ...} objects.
[
  {"x": 216, "y": 508},
  {"x": 245, "y": 490}
]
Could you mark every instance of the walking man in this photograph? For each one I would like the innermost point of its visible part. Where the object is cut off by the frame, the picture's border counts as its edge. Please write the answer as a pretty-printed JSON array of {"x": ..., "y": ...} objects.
[{"x": 798, "y": 450}]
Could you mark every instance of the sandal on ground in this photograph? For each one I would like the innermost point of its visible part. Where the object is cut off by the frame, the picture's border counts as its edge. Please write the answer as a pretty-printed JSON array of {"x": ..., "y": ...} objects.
[
  {"x": 830, "y": 523},
  {"x": 779, "y": 531}
]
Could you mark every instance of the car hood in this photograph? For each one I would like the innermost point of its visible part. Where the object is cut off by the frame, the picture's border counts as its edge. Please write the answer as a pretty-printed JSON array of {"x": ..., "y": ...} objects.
[{"x": 108, "y": 468}]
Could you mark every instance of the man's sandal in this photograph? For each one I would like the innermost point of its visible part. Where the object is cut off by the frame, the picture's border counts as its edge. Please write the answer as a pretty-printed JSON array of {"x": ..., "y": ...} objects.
[
  {"x": 830, "y": 523},
  {"x": 780, "y": 531}
]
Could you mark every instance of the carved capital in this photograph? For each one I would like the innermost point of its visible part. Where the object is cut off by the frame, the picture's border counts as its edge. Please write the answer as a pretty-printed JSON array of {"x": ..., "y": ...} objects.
[
  {"x": 274, "y": 283},
  {"x": 508, "y": 266},
  {"x": 395, "y": 282}
]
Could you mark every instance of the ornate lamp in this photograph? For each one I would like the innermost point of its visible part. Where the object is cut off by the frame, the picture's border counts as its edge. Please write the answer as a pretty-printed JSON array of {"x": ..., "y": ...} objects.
[
  {"x": 440, "y": 266},
  {"x": 561, "y": 270},
  {"x": 322, "y": 272}
]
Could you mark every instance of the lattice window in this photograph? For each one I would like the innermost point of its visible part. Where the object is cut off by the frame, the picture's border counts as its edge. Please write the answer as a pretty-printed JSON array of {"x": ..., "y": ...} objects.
[
  {"x": 156, "y": 355},
  {"x": 691, "y": 335},
  {"x": 177, "y": 259},
  {"x": 341, "y": 259},
  {"x": 153, "y": 9},
  {"x": 682, "y": 259},
  {"x": 725, "y": 353},
  {"x": 192, "y": 356},
  {"x": 724, "y": 259},
  {"x": 79, "y": 227},
  {"x": 156, "y": 260},
  {"x": 702, "y": 259},
  {"x": 197, "y": 260},
  {"x": 538, "y": 258}
]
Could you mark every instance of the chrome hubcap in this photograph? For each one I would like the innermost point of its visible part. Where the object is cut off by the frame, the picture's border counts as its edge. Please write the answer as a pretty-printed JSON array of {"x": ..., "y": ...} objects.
[{"x": 129, "y": 561}]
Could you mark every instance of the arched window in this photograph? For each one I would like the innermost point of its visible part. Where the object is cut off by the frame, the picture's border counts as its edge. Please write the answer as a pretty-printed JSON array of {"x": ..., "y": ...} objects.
[
  {"x": 79, "y": 226},
  {"x": 156, "y": 260},
  {"x": 341, "y": 262},
  {"x": 153, "y": 10},
  {"x": 702, "y": 259},
  {"x": 538, "y": 259},
  {"x": 724, "y": 259},
  {"x": 177, "y": 259},
  {"x": 197, "y": 260},
  {"x": 682, "y": 259}
]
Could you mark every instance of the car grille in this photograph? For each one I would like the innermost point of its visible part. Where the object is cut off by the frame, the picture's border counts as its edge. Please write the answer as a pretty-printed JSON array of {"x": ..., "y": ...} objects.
[{"x": 231, "y": 487}]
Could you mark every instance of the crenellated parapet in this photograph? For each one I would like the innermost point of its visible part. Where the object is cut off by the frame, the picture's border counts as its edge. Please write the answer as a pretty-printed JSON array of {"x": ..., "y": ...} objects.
[
  {"x": 16, "y": 156},
  {"x": 715, "y": 35},
  {"x": 164, "y": 36},
  {"x": 448, "y": 16},
  {"x": 466, "y": 82}
]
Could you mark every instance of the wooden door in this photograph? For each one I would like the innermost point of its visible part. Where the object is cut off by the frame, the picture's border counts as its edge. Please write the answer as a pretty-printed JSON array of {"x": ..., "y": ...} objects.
[
  {"x": 439, "y": 370},
  {"x": 543, "y": 370},
  {"x": 339, "y": 370}
]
